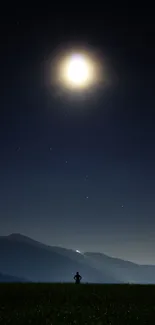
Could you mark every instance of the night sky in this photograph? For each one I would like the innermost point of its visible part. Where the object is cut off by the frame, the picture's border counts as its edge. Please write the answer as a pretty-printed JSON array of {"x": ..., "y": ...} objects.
[{"x": 79, "y": 172}]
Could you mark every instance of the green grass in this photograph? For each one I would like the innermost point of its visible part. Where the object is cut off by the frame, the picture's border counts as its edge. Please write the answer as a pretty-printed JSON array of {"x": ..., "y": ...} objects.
[{"x": 52, "y": 304}]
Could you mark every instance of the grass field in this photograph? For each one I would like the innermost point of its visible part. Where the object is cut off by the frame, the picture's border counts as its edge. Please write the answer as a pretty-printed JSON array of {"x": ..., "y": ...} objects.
[{"x": 76, "y": 304}]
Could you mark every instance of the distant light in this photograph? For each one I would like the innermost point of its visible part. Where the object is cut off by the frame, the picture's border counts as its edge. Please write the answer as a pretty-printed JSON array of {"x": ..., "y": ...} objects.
[{"x": 77, "y": 251}]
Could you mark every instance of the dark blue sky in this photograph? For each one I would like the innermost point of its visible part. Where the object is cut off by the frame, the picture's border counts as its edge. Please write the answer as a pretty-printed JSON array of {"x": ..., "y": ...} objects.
[{"x": 79, "y": 173}]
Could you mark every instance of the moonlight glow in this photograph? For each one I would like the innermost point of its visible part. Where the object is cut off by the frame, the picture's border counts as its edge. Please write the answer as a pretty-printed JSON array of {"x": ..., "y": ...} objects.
[{"x": 77, "y": 70}]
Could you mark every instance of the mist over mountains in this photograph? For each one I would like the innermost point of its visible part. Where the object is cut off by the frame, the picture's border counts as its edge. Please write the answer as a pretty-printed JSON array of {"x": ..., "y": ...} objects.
[{"x": 24, "y": 258}]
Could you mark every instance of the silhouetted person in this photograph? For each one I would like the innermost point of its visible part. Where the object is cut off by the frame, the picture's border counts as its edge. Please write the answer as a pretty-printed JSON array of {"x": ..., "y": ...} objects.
[{"x": 77, "y": 278}]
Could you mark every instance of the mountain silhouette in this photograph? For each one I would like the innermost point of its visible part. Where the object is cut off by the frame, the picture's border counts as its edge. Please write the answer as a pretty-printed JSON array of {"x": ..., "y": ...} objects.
[
  {"x": 25, "y": 258},
  {"x": 8, "y": 278},
  {"x": 125, "y": 271}
]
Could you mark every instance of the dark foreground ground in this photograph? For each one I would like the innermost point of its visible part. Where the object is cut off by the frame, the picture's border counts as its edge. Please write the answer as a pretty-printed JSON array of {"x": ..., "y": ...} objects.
[{"x": 76, "y": 304}]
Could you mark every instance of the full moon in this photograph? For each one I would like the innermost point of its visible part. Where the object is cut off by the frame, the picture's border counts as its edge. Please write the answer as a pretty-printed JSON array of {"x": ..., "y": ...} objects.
[{"x": 77, "y": 71}]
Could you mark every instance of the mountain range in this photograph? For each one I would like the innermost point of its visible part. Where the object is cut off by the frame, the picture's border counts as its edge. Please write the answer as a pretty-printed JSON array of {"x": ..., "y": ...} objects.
[
  {"x": 24, "y": 258},
  {"x": 8, "y": 278}
]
